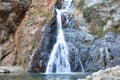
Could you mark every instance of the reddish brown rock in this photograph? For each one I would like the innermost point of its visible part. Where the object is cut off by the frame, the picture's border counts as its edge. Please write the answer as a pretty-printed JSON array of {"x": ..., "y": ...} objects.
[
  {"x": 18, "y": 37},
  {"x": 11, "y": 14}
]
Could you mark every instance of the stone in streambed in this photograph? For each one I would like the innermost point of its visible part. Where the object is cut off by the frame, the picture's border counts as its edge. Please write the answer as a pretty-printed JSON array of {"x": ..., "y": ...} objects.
[{"x": 4, "y": 69}]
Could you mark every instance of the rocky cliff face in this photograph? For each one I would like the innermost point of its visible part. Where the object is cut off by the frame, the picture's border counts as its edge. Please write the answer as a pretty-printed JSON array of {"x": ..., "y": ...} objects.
[
  {"x": 11, "y": 14},
  {"x": 96, "y": 41},
  {"x": 101, "y": 20},
  {"x": 92, "y": 33},
  {"x": 19, "y": 21}
]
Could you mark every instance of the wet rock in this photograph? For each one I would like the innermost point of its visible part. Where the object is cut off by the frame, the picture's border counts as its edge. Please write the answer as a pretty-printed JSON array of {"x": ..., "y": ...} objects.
[
  {"x": 10, "y": 69},
  {"x": 4, "y": 71},
  {"x": 79, "y": 44},
  {"x": 44, "y": 50},
  {"x": 103, "y": 53},
  {"x": 45, "y": 38},
  {"x": 17, "y": 44},
  {"x": 94, "y": 53}
]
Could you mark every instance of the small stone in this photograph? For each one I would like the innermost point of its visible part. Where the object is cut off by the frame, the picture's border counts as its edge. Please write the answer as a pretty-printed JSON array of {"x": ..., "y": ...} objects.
[{"x": 4, "y": 71}]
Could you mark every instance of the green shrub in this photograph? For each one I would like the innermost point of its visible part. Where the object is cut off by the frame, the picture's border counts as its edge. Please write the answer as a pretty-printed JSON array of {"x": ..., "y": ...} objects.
[
  {"x": 119, "y": 22},
  {"x": 97, "y": 31},
  {"x": 100, "y": 32},
  {"x": 92, "y": 16},
  {"x": 81, "y": 3}
]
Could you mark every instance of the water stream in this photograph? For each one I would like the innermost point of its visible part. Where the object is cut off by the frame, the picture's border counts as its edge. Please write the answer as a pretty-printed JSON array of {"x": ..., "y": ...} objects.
[
  {"x": 58, "y": 61},
  {"x": 82, "y": 68}
]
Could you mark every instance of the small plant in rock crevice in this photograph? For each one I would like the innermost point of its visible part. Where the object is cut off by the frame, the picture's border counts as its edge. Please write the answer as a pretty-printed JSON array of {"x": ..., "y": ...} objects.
[
  {"x": 92, "y": 16},
  {"x": 97, "y": 31},
  {"x": 100, "y": 32},
  {"x": 80, "y": 4}
]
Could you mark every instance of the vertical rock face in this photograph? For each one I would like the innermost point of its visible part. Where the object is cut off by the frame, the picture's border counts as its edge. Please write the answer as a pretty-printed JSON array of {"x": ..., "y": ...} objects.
[
  {"x": 18, "y": 42},
  {"x": 41, "y": 55},
  {"x": 36, "y": 35},
  {"x": 99, "y": 51},
  {"x": 11, "y": 14},
  {"x": 22, "y": 29},
  {"x": 33, "y": 34},
  {"x": 84, "y": 33}
]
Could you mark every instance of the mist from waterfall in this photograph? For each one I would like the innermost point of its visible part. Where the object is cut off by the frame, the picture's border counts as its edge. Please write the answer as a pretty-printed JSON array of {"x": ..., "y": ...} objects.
[{"x": 58, "y": 61}]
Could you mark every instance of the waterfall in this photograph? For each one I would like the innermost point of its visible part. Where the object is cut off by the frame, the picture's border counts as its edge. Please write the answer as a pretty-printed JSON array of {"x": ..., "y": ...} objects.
[
  {"x": 66, "y": 4},
  {"x": 58, "y": 61},
  {"x": 82, "y": 68}
]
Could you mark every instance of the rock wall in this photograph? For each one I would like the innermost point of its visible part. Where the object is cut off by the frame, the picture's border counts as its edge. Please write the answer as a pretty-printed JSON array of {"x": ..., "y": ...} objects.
[
  {"x": 19, "y": 21},
  {"x": 89, "y": 42},
  {"x": 11, "y": 14},
  {"x": 92, "y": 35},
  {"x": 28, "y": 33}
]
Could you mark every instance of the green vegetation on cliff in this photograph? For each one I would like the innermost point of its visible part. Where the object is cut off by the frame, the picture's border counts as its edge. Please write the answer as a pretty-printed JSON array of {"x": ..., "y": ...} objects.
[{"x": 92, "y": 16}]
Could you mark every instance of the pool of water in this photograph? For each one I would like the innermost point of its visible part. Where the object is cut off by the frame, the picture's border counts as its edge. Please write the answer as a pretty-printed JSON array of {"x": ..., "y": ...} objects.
[{"x": 38, "y": 76}]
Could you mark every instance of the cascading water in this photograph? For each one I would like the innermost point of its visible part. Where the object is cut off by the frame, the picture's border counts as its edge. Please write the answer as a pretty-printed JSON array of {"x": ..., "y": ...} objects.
[
  {"x": 58, "y": 61},
  {"x": 82, "y": 68}
]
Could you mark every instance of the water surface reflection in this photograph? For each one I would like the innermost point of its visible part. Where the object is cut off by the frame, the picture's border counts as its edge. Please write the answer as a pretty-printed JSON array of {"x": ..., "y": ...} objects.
[{"x": 36, "y": 76}]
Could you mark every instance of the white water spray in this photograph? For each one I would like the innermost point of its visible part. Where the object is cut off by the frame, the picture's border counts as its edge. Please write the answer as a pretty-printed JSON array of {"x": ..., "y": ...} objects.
[
  {"x": 66, "y": 4},
  {"x": 58, "y": 61}
]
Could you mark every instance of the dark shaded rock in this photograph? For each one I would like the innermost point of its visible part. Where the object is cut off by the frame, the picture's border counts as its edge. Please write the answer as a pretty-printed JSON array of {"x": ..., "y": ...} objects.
[
  {"x": 94, "y": 54},
  {"x": 73, "y": 57},
  {"x": 79, "y": 44},
  {"x": 41, "y": 55},
  {"x": 84, "y": 49},
  {"x": 58, "y": 4},
  {"x": 45, "y": 40},
  {"x": 4, "y": 71},
  {"x": 104, "y": 53}
]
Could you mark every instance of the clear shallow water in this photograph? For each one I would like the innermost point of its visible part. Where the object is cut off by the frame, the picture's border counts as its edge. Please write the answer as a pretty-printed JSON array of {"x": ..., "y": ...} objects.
[{"x": 37, "y": 76}]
